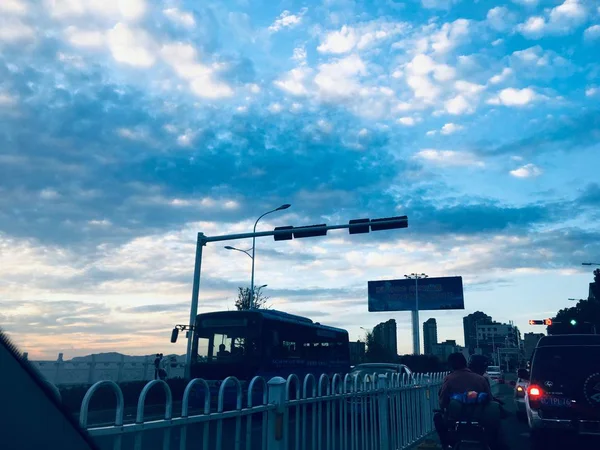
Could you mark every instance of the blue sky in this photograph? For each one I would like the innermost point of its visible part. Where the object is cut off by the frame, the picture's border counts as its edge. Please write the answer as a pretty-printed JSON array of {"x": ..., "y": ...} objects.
[{"x": 127, "y": 127}]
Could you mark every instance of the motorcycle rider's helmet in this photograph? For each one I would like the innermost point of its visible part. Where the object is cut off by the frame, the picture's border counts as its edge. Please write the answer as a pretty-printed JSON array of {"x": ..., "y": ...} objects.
[{"x": 478, "y": 364}]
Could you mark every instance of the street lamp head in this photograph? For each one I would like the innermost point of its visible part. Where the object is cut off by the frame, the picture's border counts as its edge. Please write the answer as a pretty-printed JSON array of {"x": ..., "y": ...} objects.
[
  {"x": 263, "y": 286},
  {"x": 229, "y": 247},
  {"x": 282, "y": 207}
]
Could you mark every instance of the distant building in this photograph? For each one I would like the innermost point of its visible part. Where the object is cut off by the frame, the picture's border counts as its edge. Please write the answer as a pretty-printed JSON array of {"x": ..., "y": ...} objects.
[
  {"x": 385, "y": 335},
  {"x": 430, "y": 337},
  {"x": 357, "y": 352},
  {"x": 530, "y": 342},
  {"x": 444, "y": 349},
  {"x": 470, "y": 323}
]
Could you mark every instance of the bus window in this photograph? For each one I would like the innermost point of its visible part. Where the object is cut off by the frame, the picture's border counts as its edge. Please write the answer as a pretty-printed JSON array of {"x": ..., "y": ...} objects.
[{"x": 223, "y": 345}]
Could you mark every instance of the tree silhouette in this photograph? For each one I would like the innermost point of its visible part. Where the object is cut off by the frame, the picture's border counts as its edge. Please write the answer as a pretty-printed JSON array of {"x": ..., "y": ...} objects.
[
  {"x": 243, "y": 300},
  {"x": 586, "y": 314},
  {"x": 376, "y": 353}
]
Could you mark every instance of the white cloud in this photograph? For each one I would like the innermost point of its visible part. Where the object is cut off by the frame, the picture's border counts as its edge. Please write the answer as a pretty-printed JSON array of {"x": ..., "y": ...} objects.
[
  {"x": 85, "y": 38},
  {"x": 180, "y": 17},
  {"x": 526, "y": 171},
  {"x": 294, "y": 81},
  {"x": 287, "y": 20},
  {"x": 450, "y": 36},
  {"x": 466, "y": 100},
  {"x": 339, "y": 79},
  {"x": 12, "y": 30},
  {"x": 16, "y": 7},
  {"x": 562, "y": 19},
  {"x": 299, "y": 55},
  {"x": 438, "y": 4},
  {"x": 458, "y": 105},
  {"x": 422, "y": 71},
  {"x": 131, "y": 46},
  {"x": 186, "y": 139},
  {"x": 407, "y": 121},
  {"x": 592, "y": 91},
  {"x": 449, "y": 158},
  {"x": 500, "y": 18},
  {"x": 7, "y": 99},
  {"x": 275, "y": 107},
  {"x": 502, "y": 76},
  {"x": 526, "y": 2},
  {"x": 450, "y": 128},
  {"x": 183, "y": 59},
  {"x": 359, "y": 37},
  {"x": 514, "y": 97},
  {"x": 126, "y": 10},
  {"x": 592, "y": 32}
]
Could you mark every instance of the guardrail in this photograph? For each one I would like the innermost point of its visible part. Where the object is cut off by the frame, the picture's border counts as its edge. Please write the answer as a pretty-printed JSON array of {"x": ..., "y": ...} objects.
[{"x": 354, "y": 413}]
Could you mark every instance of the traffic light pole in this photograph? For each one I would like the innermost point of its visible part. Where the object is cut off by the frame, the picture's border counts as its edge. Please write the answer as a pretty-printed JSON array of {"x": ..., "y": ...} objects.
[{"x": 355, "y": 227}]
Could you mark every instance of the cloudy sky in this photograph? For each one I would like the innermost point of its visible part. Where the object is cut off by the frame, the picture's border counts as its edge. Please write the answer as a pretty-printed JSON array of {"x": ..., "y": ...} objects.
[{"x": 126, "y": 127}]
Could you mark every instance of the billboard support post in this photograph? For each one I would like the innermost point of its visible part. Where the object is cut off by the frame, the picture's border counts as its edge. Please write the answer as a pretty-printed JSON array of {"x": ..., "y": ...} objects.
[{"x": 415, "y": 313}]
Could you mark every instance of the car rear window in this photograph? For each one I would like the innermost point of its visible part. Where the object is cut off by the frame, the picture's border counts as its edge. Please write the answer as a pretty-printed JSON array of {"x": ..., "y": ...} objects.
[{"x": 564, "y": 363}]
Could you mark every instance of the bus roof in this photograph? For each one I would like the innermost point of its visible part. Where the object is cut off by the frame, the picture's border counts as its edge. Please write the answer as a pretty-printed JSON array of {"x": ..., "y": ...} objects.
[
  {"x": 280, "y": 316},
  {"x": 569, "y": 339}
]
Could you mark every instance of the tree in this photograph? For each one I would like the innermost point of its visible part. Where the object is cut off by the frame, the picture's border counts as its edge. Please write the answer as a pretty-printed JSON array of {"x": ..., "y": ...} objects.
[
  {"x": 582, "y": 317},
  {"x": 243, "y": 300},
  {"x": 376, "y": 353}
]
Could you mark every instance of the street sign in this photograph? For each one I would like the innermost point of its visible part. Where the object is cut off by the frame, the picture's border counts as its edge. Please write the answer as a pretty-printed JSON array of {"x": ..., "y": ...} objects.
[{"x": 399, "y": 295}]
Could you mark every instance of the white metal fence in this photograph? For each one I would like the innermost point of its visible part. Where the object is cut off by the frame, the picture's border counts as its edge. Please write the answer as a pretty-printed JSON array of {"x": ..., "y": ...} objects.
[{"x": 326, "y": 414}]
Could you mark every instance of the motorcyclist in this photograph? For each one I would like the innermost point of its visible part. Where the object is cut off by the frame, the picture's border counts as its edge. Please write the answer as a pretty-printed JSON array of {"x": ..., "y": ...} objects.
[{"x": 459, "y": 381}]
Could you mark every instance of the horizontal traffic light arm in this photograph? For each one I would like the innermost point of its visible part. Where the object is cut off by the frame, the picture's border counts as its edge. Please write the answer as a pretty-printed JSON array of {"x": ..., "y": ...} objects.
[{"x": 321, "y": 230}]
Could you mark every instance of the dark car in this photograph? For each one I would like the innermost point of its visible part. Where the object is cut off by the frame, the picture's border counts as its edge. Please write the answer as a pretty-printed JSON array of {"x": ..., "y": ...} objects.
[{"x": 563, "y": 395}]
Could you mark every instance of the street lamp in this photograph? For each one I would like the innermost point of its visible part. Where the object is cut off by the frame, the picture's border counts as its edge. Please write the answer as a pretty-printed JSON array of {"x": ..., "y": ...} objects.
[
  {"x": 247, "y": 252},
  {"x": 415, "y": 313},
  {"x": 281, "y": 208},
  {"x": 577, "y": 299},
  {"x": 590, "y": 264}
]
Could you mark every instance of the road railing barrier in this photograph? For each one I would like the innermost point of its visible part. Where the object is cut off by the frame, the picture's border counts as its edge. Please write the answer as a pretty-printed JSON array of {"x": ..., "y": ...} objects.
[{"x": 353, "y": 412}]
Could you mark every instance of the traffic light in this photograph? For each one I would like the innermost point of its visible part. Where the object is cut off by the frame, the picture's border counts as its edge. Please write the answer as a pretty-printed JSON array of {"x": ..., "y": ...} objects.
[
  {"x": 573, "y": 322},
  {"x": 548, "y": 322},
  {"x": 309, "y": 231},
  {"x": 536, "y": 322},
  {"x": 283, "y": 236},
  {"x": 392, "y": 223},
  {"x": 358, "y": 226}
]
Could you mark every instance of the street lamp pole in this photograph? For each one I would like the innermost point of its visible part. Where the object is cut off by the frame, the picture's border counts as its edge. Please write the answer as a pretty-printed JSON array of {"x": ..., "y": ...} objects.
[
  {"x": 415, "y": 313},
  {"x": 281, "y": 208}
]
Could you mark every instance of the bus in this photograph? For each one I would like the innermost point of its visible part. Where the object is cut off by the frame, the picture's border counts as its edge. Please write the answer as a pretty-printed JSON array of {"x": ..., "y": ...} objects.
[{"x": 267, "y": 343}]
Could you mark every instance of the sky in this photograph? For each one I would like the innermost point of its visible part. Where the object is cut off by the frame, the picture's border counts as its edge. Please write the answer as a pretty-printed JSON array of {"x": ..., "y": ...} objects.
[{"x": 127, "y": 127}]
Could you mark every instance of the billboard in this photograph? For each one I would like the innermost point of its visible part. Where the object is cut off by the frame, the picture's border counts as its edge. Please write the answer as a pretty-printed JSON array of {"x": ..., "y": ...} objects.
[{"x": 399, "y": 295}]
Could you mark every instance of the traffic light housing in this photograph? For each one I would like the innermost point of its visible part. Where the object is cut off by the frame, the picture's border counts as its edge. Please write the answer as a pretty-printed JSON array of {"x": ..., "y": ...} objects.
[
  {"x": 358, "y": 226},
  {"x": 393, "y": 223},
  {"x": 536, "y": 322},
  {"x": 548, "y": 322}
]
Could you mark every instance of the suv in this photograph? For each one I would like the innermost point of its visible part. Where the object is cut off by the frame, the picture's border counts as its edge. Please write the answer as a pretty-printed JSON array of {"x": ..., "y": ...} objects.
[{"x": 563, "y": 395}]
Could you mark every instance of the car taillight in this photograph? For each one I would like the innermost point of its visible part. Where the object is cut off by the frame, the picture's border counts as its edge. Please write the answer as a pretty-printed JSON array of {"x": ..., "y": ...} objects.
[
  {"x": 534, "y": 392},
  {"x": 520, "y": 391}
]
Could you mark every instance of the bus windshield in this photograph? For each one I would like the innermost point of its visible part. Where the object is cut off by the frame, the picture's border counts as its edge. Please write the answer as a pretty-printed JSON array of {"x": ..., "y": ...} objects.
[{"x": 225, "y": 341}]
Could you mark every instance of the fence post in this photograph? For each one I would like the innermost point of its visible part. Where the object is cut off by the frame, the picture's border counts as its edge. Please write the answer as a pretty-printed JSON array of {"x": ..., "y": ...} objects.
[
  {"x": 276, "y": 386},
  {"x": 384, "y": 415}
]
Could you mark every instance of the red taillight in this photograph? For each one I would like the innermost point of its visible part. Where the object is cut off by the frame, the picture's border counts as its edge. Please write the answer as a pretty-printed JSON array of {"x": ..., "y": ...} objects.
[{"x": 534, "y": 392}]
